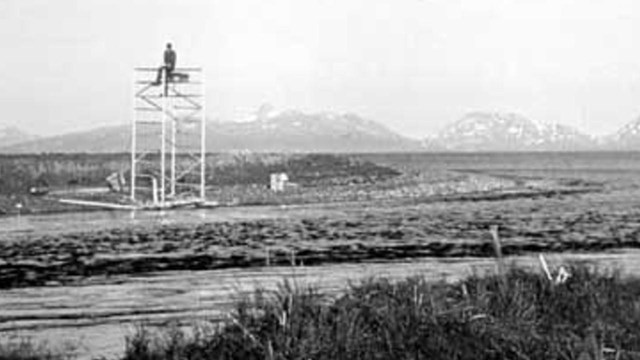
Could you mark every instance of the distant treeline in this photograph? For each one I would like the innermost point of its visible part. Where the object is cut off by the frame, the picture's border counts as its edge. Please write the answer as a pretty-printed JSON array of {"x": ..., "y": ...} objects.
[
  {"x": 304, "y": 169},
  {"x": 19, "y": 173}
]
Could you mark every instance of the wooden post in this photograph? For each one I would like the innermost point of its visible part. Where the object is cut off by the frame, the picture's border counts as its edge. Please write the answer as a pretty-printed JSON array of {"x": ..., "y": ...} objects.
[{"x": 498, "y": 249}]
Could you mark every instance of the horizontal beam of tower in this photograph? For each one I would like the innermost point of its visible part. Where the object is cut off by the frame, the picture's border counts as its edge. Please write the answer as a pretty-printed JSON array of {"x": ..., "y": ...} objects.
[
  {"x": 175, "y": 70},
  {"x": 152, "y": 82},
  {"x": 182, "y": 96}
]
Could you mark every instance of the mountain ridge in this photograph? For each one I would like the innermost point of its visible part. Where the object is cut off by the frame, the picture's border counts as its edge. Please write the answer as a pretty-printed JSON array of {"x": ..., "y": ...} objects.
[
  {"x": 492, "y": 131},
  {"x": 287, "y": 131},
  {"x": 10, "y": 135},
  {"x": 295, "y": 131}
]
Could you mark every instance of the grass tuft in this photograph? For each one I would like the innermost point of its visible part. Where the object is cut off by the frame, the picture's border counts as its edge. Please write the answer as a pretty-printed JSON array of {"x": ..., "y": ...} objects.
[
  {"x": 22, "y": 348},
  {"x": 519, "y": 315}
]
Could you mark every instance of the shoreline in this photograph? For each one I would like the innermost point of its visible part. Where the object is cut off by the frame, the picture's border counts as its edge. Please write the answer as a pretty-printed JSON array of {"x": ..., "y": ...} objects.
[{"x": 335, "y": 234}]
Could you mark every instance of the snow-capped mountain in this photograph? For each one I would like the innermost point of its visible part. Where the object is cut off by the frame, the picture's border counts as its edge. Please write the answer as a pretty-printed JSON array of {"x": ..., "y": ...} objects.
[
  {"x": 484, "y": 131},
  {"x": 266, "y": 131},
  {"x": 293, "y": 130},
  {"x": 270, "y": 130},
  {"x": 626, "y": 138}
]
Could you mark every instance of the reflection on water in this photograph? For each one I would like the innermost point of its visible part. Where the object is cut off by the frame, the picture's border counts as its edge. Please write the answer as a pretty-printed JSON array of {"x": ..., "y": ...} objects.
[{"x": 99, "y": 316}]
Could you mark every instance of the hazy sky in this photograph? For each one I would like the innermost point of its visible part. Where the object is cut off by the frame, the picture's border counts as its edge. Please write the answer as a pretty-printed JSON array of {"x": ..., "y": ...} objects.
[{"x": 413, "y": 65}]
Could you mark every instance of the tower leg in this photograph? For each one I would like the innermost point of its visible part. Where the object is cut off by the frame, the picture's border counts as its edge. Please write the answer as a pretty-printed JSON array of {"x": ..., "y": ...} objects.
[
  {"x": 132, "y": 182},
  {"x": 203, "y": 138},
  {"x": 163, "y": 145},
  {"x": 174, "y": 125}
]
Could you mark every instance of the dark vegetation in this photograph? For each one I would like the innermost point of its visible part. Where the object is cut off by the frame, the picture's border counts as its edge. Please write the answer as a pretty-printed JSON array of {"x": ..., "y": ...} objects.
[
  {"x": 20, "y": 172},
  {"x": 520, "y": 315},
  {"x": 18, "y": 348},
  {"x": 233, "y": 176},
  {"x": 305, "y": 170}
]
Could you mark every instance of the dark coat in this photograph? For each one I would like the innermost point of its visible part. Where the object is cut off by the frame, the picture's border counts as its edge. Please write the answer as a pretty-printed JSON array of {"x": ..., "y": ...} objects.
[{"x": 170, "y": 59}]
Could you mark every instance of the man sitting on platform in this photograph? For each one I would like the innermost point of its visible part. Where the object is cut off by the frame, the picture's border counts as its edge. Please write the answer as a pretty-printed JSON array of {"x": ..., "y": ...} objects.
[{"x": 169, "y": 65}]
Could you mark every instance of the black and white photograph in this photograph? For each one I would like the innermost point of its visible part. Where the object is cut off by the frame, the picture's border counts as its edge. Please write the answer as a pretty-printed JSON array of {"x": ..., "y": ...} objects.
[{"x": 320, "y": 179}]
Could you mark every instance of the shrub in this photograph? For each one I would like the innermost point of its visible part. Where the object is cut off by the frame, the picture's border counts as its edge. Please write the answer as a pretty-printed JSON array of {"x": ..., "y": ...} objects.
[
  {"x": 520, "y": 315},
  {"x": 19, "y": 348}
]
